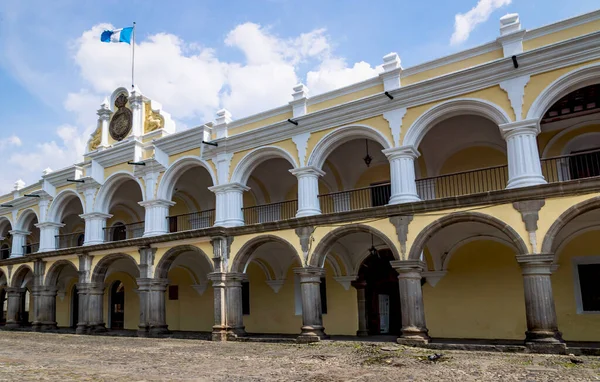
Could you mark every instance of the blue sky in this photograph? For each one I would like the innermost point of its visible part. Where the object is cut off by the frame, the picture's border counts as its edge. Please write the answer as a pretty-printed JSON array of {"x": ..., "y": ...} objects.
[{"x": 198, "y": 56}]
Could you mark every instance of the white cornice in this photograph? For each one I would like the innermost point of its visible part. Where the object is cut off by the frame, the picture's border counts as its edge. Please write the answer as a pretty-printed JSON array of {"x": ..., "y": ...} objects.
[
  {"x": 259, "y": 117},
  {"x": 452, "y": 58},
  {"x": 59, "y": 178},
  {"x": 547, "y": 58},
  {"x": 117, "y": 154},
  {"x": 183, "y": 141},
  {"x": 563, "y": 24},
  {"x": 353, "y": 88}
]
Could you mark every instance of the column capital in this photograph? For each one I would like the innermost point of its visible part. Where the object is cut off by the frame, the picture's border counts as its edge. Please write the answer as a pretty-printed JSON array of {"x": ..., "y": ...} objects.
[
  {"x": 95, "y": 215},
  {"x": 527, "y": 126},
  {"x": 306, "y": 171},
  {"x": 49, "y": 225},
  {"x": 310, "y": 274},
  {"x": 156, "y": 202},
  {"x": 147, "y": 284},
  {"x": 408, "y": 266},
  {"x": 15, "y": 290},
  {"x": 19, "y": 232},
  {"x": 536, "y": 264},
  {"x": 409, "y": 152},
  {"x": 222, "y": 188},
  {"x": 227, "y": 276}
]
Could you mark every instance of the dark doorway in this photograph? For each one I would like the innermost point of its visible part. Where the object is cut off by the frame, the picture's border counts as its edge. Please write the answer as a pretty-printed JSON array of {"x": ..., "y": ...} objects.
[
  {"x": 117, "y": 305},
  {"x": 119, "y": 232},
  {"x": 74, "y": 306},
  {"x": 24, "y": 310},
  {"x": 380, "y": 194},
  {"x": 584, "y": 164},
  {"x": 382, "y": 294}
]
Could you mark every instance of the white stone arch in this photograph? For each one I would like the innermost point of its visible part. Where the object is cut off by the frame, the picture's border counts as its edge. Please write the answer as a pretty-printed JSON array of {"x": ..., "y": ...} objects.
[
  {"x": 60, "y": 202},
  {"x": 568, "y": 130},
  {"x": 563, "y": 85},
  {"x": 25, "y": 218},
  {"x": 4, "y": 222},
  {"x": 178, "y": 168},
  {"x": 108, "y": 189},
  {"x": 254, "y": 158},
  {"x": 452, "y": 108},
  {"x": 341, "y": 135}
]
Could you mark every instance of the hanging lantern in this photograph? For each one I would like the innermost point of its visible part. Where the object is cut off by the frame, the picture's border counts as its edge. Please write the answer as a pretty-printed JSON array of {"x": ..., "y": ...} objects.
[{"x": 368, "y": 159}]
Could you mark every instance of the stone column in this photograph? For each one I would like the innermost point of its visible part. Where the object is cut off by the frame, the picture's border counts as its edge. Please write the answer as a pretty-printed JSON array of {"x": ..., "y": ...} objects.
[
  {"x": 156, "y": 216},
  {"x": 153, "y": 317},
  {"x": 360, "y": 286},
  {"x": 83, "y": 314},
  {"x": 219, "y": 330},
  {"x": 402, "y": 174},
  {"x": 542, "y": 328},
  {"x": 14, "y": 308},
  {"x": 45, "y": 308},
  {"x": 308, "y": 190},
  {"x": 524, "y": 168},
  {"x": 19, "y": 238},
  {"x": 95, "y": 222},
  {"x": 229, "y": 203},
  {"x": 312, "y": 316},
  {"x": 95, "y": 307},
  {"x": 414, "y": 329},
  {"x": 235, "y": 313}
]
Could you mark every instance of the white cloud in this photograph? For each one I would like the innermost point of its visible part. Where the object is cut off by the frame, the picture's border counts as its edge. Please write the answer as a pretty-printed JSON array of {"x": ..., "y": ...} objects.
[
  {"x": 464, "y": 23},
  {"x": 11, "y": 141},
  {"x": 190, "y": 80}
]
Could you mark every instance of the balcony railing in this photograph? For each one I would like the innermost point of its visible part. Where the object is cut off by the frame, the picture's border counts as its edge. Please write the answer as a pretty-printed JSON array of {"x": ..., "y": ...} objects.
[
  {"x": 270, "y": 212},
  {"x": 124, "y": 231},
  {"x": 463, "y": 183},
  {"x": 31, "y": 248},
  {"x": 366, "y": 197},
  {"x": 69, "y": 240},
  {"x": 194, "y": 220},
  {"x": 585, "y": 164}
]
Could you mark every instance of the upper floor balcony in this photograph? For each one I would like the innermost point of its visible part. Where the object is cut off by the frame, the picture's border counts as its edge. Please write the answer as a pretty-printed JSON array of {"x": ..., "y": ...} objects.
[{"x": 456, "y": 148}]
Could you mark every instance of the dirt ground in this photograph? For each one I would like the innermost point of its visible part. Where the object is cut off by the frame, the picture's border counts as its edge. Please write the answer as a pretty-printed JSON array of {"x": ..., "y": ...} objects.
[{"x": 49, "y": 357}]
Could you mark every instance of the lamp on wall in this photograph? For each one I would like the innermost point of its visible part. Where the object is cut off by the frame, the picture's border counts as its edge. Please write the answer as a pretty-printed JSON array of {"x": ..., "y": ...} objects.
[
  {"x": 368, "y": 159},
  {"x": 373, "y": 251}
]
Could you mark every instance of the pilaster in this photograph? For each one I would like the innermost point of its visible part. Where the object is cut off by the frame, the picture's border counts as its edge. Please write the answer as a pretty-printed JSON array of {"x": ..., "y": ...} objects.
[{"x": 361, "y": 300}]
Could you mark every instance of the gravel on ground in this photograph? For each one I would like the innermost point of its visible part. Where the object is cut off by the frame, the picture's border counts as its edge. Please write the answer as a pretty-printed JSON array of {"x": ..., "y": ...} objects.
[{"x": 49, "y": 357}]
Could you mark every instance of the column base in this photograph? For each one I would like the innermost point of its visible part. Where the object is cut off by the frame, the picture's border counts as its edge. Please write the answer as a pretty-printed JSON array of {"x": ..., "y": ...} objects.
[
  {"x": 526, "y": 181},
  {"x": 414, "y": 337},
  {"x": 219, "y": 334},
  {"x": 45, "y": 326},
  {"x": 12, "y": 325},
  {"x": 308, "y": 212},
  {"x": 96, "y": 328},
  {"x": 546, "y": 347},
  {"x": 362, "y": 333},
  {"x": 404, "y": 198},
  {"x": 154, "y": 331},
  {"x": 311, "y": 334},
  {"x": 81, "y": 329}
]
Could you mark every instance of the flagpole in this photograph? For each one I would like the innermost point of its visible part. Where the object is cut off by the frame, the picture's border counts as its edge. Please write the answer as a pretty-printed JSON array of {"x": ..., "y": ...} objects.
[{"x": 133, "y": 57}]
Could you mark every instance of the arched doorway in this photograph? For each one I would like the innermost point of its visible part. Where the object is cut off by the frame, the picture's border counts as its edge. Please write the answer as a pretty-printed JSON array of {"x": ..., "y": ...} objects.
[
  {"x": 74, "y": 306},
  {"x": 382, "y": 296},
  {"x": 117, "y": 305}
]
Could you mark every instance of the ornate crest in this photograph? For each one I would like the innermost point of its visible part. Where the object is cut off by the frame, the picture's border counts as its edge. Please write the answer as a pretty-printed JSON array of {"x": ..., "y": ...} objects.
[{"x": 120, "y": 125}]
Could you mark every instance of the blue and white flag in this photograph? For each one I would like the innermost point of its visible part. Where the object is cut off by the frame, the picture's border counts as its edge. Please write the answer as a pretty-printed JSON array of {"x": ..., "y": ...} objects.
[{"x": 118, "y": 35}]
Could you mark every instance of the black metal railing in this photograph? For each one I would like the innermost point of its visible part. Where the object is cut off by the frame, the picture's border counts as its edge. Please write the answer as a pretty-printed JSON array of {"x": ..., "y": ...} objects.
[
  {"x": 366, "y": 197},
  {"x": 69, "y": 240},
  {"x": 194, "y": 220},
  {"x": 120, "y": 232},
  {"x": 270, "y": 212},
  {"x": 585, "y": 164},
  {"x": 31, "y": 248},
  {"x": 463, "y": 183}
]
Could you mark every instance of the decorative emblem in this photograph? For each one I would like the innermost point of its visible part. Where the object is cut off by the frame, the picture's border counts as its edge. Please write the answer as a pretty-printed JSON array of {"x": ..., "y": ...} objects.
[{"x": 120, "y": 125}]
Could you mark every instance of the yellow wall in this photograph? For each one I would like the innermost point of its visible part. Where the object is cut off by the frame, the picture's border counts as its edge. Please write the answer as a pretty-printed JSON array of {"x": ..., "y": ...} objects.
[
  {"x": 63, "y": 306},
  {"x": 261, "y": 123},
  {"x": 191, "y": 312},
  {"x": 120, "y": 167},
  {"x": 481, "y": 296},
  {"x": 342, "y": 308},
  {"x": 453, "y": 67},
  {"x": 271, "y": 312},
  {"x": 345, "y": 98},
  {"x": 132, "y": 300},
  {"x": 574, "y": 326},
  {"x": 561, "y": 142},
  {"x": 562, "y": 35},
  {"x": 473, "y": 158}
]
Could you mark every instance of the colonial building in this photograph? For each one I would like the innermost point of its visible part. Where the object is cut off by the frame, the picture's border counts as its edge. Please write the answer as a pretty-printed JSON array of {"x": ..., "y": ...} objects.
[{"x": 455, "y": 199}]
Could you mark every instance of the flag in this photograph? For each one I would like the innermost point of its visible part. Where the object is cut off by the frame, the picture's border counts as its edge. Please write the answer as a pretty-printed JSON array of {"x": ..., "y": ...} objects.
[{"x": 118, "y": 35}]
